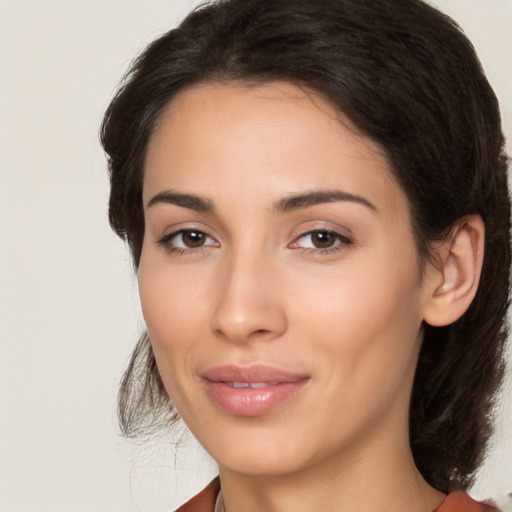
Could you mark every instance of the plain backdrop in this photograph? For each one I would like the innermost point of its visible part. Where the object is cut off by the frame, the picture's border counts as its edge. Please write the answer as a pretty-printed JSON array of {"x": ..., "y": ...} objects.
[{"x": 68, "y": 298}]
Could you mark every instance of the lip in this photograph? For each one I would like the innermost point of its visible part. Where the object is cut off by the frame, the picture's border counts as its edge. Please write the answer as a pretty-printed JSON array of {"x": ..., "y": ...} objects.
[{"x": 252, "y": 390}]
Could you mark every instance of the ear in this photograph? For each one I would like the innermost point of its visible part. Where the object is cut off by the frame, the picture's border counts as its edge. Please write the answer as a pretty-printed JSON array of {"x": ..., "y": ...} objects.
[{"x": 453, "y": 281}]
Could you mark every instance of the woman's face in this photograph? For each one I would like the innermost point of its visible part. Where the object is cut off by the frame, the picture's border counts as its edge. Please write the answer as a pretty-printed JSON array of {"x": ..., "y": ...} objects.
[{"x": 279, "y": 279}]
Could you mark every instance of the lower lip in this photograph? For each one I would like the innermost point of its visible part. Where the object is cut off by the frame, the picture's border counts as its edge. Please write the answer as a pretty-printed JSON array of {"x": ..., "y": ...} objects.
[{"x": 253, "y": 402}]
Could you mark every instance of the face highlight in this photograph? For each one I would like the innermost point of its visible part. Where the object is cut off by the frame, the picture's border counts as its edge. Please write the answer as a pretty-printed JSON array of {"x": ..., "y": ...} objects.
[{"x": 279, "y": 279}]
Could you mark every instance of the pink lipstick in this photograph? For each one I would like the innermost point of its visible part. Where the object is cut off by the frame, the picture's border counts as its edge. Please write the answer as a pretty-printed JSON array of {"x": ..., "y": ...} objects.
[{"x": 252, "y": 390}]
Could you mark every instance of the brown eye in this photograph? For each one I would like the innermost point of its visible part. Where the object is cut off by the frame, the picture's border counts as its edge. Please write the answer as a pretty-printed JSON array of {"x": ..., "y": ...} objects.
[
  {"x": 187, "y": 239},
  {"x": 192, "y": 239},
  {"x": 323, "y": 239}
]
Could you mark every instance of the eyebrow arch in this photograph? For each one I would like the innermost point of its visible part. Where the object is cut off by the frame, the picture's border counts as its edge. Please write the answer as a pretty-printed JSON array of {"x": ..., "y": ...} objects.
[
  {"x": 190, "y": 201},
  {"x": 294, "y": 202}
]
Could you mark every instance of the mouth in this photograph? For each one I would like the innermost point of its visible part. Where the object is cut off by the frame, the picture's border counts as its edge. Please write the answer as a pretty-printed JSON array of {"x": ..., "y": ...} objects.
[
  {"x": 252, "y": 385},
  {"x": 253, "y": 390}
]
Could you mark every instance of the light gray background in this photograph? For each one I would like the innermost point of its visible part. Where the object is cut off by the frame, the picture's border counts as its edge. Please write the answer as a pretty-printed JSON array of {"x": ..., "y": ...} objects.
[{"x": 68, "y": 299}]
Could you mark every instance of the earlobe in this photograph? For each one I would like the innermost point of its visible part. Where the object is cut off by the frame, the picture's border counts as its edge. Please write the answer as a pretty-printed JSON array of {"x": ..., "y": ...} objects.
[{"x": 454, "y": 281}]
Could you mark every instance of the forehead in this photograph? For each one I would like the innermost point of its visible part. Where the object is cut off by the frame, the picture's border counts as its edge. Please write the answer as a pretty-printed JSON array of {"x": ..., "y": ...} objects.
[{"x": 237, "y": 137}]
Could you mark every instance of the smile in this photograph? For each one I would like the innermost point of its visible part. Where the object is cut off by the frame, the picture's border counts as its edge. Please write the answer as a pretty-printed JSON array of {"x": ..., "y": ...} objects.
[
  {"x": 252, "y": 391},
  {"x": 252, "y": 385}
]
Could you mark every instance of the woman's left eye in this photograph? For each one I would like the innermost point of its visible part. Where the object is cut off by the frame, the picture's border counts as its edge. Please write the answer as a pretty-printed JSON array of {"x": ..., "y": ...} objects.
[{"x": 321, "y": 240}]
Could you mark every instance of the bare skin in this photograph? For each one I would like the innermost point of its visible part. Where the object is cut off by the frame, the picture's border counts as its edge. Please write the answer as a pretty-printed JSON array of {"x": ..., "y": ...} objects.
[{"x": 277, "y": 236}]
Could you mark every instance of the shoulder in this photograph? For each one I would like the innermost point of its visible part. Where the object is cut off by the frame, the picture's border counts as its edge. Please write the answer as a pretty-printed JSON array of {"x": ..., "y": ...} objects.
[
  {"x": 459, "y": 501},
  {"x": 204, "y": 501}
]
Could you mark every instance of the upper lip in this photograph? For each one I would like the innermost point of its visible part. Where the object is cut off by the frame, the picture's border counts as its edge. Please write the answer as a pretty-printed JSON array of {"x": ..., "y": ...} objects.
[{"x": 252, "y": 373}]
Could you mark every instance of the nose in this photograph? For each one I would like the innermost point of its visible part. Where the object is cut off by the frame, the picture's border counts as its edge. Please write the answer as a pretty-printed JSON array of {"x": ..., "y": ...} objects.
[{"x": 250, "y": 303}]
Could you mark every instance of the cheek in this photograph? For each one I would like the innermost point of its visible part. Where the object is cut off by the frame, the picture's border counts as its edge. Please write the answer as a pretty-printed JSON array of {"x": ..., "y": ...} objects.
[
  {"x": 366, "y": 320},
  {"x": 172, "y": 323},
  {"x": 171, "y": 307},
  {"x": 171, "y": 296}
]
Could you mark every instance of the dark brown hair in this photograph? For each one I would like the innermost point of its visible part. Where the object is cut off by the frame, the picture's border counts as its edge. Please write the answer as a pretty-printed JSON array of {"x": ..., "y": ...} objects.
[{"x": 409, "y": 79}]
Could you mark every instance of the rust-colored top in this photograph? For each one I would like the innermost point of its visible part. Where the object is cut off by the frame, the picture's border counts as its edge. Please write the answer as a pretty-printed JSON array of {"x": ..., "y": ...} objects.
[
  {"x": 205, "y": 500},
  {"x": 456, "y": 501},
  {"x": 459, "y": 501}
]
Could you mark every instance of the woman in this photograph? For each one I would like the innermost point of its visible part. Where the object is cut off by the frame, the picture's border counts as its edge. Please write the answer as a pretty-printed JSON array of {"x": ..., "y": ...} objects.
[{"x": 315, "y": 198}]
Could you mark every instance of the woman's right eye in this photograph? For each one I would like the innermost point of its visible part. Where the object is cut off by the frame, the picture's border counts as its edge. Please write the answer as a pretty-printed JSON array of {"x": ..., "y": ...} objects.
[{"x": 187, "y": 240}]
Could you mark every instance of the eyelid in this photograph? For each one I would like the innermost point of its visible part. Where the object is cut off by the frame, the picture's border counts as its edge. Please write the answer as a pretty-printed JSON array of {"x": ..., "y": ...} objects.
[
  {"x": 342, "y": 241},
  {"x": 174, "y": 228},
  {"x": 306, "y": 228},
  {"x": 167, "y": 239},
  {"x": 336, "y": 234}
]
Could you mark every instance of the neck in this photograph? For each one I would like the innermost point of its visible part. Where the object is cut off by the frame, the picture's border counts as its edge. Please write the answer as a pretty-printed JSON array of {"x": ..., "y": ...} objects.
[{"x": 380, "y": 478}]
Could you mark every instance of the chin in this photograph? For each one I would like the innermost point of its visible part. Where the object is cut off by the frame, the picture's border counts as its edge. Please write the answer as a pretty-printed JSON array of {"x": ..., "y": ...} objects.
[
  {"x": 261, "y": 463},
  {"x": 263, "y": 451}
]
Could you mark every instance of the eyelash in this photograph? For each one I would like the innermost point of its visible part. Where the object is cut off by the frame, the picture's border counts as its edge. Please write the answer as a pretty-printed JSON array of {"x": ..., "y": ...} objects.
[
  {"x": 166, "y": 241},
  {"x": 342, "y": 242}
]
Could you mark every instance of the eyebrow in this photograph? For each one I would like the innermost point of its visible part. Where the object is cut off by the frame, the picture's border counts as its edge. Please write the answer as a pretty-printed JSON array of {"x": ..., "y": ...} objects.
[
  {"x": 313, "y": 198},
  {"x": 285, "y": 205},
  {"x": 189, "y": 201}
]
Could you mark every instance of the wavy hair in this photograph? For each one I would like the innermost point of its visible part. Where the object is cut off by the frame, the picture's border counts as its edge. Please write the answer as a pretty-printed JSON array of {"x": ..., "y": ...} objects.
[{"x": 408, "y": 78}]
